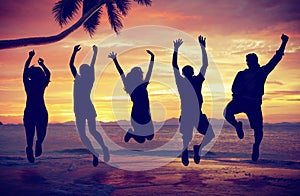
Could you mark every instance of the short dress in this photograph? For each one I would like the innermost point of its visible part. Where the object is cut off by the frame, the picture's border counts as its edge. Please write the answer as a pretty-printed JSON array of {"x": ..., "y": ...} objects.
[
  {"x": 140, "y": 112},
  {"x": 83, "y": 106}
]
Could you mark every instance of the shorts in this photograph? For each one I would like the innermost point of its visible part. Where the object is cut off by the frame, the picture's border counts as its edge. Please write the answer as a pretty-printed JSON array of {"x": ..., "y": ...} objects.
[{"x": 188, "y": 122}]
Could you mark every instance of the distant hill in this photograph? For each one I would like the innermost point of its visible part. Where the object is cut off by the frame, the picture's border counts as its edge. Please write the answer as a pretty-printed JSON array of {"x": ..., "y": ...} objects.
[
  {"x": 173, "y": 122},
  {"x": 120, "y": 122},
  {"x": 286, "y": 124},
  {"x": 67, "y": 123}
]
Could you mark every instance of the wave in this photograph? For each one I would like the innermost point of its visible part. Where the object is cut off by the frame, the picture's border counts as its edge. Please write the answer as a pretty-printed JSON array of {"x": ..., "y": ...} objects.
[
  {"x": 287, "y": 164},
  {"x": 266, "y": 160},
  {"x": 11, "y": 160}
]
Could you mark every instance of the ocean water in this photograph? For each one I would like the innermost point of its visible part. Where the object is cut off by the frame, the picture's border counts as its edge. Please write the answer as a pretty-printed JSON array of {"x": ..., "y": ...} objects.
[{"x": 280, "y": 145}]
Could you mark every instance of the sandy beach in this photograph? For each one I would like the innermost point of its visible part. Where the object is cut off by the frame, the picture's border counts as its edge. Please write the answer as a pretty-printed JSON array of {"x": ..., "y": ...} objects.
[
  {"x": 144, "y": 62},
  {"x": 65, "y": 168},
  {"x": 76, "y": 176}
]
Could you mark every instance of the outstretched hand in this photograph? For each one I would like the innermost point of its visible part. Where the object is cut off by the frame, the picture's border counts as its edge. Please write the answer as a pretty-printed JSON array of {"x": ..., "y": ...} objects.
[
  {"x": 112, "y": 55},
  {"x": 149, "y": 52},
  {"x": 31, "y": 53},
  {"x": 284, "y": 38},
  {"x": 41, "y": 61},
  {"x": 177, "y": 44},
  {"x": 95, "y": 48},
  {"x": 77, "y": 48},
  {"x": 202, "y": 40}
]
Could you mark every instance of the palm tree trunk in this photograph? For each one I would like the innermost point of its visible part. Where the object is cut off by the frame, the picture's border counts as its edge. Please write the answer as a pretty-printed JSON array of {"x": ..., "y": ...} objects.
[{"x": 22, "y": 42}]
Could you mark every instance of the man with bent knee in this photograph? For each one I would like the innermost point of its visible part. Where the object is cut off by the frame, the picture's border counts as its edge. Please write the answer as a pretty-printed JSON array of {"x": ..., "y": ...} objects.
[{"x": 247, "y": 92}]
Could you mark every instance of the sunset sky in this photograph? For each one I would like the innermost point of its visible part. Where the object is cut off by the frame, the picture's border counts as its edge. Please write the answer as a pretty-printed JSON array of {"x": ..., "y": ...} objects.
[{"x": 233, "y": 29}]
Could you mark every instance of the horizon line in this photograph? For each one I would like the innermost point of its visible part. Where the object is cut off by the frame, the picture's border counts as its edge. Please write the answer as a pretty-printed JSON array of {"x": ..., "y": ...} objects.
[{"x": 103, "y": 122}]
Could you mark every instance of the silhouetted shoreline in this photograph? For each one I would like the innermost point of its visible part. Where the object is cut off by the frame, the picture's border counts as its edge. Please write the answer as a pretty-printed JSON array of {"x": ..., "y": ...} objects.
[{"x": 169, "y": 122}]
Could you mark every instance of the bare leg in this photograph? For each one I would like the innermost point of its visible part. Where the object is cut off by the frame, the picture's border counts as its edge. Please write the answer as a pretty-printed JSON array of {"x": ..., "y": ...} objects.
[
  {"x": 29, "y": 130},
  {"x": 41, "y": 129},
  {"x": 99, "y": 139},
  {"x": 185, "y": 153},
  {"x": 209, "y": 136},
  {"x": 80, "y": 123},
  {"x": 186, "y": 129}
]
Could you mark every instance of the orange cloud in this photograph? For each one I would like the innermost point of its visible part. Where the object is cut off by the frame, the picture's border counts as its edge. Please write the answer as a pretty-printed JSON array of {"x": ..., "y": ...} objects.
[{"x": 232, "y": 30}]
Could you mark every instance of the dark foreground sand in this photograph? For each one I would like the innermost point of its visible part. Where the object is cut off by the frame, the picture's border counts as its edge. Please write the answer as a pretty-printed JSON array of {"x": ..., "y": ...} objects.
[{"x": 76, "y": 176}]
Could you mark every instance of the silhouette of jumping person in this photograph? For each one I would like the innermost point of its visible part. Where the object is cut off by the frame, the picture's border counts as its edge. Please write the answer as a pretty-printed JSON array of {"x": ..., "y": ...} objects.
[
  {"x": 247, "y": 92},
  {"x": 83, "y": 107},
  {"x": 189, "y": 88},
  {"x": 136, "y": 87},
  {"x": 35, "y": 80}
]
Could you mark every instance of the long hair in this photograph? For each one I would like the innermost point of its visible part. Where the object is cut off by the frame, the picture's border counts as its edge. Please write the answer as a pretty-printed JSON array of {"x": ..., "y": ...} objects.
[
  {"x": 133, "y": 79},
  {"x": 36, "y": 75}
]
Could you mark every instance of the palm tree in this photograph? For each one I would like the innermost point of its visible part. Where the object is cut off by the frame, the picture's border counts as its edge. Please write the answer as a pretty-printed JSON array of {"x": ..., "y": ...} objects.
[{"x": 65, "y": 10}]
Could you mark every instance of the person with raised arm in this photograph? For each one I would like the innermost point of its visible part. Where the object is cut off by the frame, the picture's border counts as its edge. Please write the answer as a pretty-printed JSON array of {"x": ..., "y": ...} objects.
[
  {"x": 35, "y": 80},
  {"x": 247, "y": 92},
  {"x": 136, "y": 86},
  {"x": 189, "y": 88},
  {"x": 83, "y": 107}
]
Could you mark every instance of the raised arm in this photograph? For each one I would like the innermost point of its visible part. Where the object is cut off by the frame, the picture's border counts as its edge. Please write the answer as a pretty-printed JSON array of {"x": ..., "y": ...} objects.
[
  {"x": 113, "y": 56},
  {"x": 202, "y": 42},
  {"x": 72, "y": 66},
  {"x": 95, "y": 49},
  {"x": 177, "y": 43},
  {"x": 27, "y": 63},
  {"x": 148, "y": 75},
  {"x": 46, "y": 70},
  {"x": 284, "y": 40},
  {"x": 278, "y": 56}
]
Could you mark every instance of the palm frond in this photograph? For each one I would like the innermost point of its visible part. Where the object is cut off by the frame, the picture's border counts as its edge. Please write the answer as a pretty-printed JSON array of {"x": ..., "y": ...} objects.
[
  {"x": 114, "y": 16},
  {"x": 91, "y": 24},
  {"x": 123, "y": 6},
  {"x": 144, "y": 2},
  {"x": 64, "y": 10}
]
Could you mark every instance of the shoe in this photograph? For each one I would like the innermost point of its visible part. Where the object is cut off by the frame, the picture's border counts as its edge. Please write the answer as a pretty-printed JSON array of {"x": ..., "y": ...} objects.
[
  {"x": 95, "y": 161},
  {"x": 239, "y": 130},
  {"x": 196, "y": 154},
  {"x": 255, "y": 152},
  {"x": 29, "y": 153},
  {"x": 150, "y": 137},
  {"x": 38, "y": 149},
  {"x": 185, "y": 157},
  {"x": 128, "y": 135}
]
